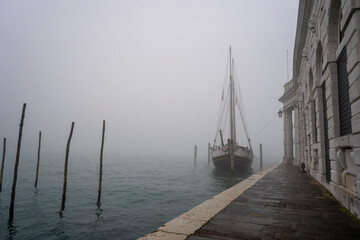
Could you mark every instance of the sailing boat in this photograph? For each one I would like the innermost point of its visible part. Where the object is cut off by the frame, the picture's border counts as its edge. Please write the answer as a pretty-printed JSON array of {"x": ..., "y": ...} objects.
[{"x": 231, "y": 155}]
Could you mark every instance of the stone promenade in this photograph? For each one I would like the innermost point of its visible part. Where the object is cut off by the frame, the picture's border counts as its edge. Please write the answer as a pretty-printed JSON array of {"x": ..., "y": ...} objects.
[{"x": 284, "y": 204}]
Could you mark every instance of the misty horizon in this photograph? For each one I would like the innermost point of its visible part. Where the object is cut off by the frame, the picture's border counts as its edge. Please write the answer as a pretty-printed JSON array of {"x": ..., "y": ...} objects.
[{"x": 152, "y": 70}]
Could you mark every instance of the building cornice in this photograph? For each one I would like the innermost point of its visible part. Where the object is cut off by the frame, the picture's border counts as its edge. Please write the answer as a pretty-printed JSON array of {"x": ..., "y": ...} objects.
[
  {"x": 289, "y": 91},
  {"x": 287, "y": 95},
  {"x": 301, "y": 34}
]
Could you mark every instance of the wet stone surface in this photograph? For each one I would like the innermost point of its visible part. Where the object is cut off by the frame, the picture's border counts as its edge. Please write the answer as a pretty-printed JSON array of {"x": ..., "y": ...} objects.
[{"x": 285, "y": 204}]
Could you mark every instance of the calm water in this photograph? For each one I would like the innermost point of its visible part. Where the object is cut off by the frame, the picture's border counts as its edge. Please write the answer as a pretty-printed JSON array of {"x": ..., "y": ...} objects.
[{"x": 139, "y": 195}]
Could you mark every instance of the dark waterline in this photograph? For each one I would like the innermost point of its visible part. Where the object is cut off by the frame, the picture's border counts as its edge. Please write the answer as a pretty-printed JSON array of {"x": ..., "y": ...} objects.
[{"x": 139, "y": 195}]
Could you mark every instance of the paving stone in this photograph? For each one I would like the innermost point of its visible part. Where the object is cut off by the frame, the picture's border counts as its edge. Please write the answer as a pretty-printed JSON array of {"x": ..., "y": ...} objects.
[
  {"x": 159, "y": 235},
  {"x": 285, "y": 204}
]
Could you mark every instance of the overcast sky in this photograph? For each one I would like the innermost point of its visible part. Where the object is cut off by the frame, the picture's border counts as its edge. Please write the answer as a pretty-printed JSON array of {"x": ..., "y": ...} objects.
[{"x": 152, "y": 69}]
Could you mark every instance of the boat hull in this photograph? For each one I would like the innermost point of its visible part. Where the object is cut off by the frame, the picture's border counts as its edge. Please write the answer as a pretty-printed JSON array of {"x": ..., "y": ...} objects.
[{"x": 243, "y": 158}]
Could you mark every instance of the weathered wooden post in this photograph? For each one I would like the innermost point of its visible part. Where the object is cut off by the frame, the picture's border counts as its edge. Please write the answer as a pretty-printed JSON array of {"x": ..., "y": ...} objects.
[
  {"x": 38, "y": 161},
  {"x": 232, "y": 156},
  {"x": 65, "y": 167},
  {"x": 101, "y": 163},
  {"x": 208, "y": 152},
  {"x": 195, "y": 153},
  {"x": 261, "y": 156},
  {"x": 2, "y": 164},
  {"x": 11, "y": 210}
]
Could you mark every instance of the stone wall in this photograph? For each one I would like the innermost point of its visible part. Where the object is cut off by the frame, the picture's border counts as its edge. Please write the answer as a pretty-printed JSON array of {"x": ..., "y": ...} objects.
[{"x": 327, "y": 28}]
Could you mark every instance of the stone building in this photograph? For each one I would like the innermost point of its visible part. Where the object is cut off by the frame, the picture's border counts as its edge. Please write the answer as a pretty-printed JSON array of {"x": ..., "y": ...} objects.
[{"x": 321, "y": 104}]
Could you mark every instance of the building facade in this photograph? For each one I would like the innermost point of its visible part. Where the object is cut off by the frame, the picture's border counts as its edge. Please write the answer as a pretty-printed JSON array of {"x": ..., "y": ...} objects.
[{"x": 321, "y": 104}]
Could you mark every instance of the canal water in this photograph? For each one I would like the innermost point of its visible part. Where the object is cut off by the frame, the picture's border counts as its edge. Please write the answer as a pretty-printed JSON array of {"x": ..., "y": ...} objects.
[{"x": 138, "y": 195}]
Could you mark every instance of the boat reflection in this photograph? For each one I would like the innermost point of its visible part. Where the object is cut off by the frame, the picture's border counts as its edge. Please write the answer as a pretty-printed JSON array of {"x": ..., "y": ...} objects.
[{"x": 227, "y": 179}]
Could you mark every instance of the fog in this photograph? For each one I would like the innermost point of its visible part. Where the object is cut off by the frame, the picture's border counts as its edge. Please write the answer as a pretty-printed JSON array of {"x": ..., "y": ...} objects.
[{"x": 152, "y": 69}]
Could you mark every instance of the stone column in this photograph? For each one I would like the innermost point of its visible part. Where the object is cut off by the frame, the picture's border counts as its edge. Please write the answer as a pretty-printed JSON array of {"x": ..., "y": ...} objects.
[
  {"x": 288, "y": 137},
  {"x": 296, "y": 136}
]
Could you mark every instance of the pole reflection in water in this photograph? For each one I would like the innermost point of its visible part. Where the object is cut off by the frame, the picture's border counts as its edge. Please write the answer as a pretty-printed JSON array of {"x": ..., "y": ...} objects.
[{"x": 11, "y": 230}]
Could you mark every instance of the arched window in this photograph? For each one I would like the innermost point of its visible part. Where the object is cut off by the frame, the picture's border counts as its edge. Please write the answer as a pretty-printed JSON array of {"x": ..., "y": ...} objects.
[
  {"x": 343, "y": 86},
  {"x": 334, "y": 30},
  {"x": 343, "y": 91},
  {"x": 312, "y": 106},
  {"x": 341, "y": 33},
  {"x": 318, "y": 81},
  {"x": 331, "y": 47},
  {"x": 318, "y": 64},
  {"x": 311, "y": 85},
  {"x": 334, "y": 25}
]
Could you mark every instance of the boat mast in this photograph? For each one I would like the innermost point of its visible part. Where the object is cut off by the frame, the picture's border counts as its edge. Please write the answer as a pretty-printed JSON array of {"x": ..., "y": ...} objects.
[
  {"x": 232, "y": 102},
  {"x": 221, "y": 137}
]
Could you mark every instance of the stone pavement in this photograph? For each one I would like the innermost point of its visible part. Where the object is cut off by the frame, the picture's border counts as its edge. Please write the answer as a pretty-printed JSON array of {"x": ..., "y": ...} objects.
[{"x": 284, "y": 204}]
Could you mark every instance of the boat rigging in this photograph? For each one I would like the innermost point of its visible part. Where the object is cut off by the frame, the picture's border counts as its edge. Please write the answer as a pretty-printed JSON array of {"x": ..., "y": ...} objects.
[{"x": 231, "y": 155}]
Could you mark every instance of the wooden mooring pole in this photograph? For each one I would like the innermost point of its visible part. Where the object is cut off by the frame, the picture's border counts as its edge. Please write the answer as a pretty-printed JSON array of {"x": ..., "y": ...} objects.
[
  {"x": 11, "y": 210},
  {"x": 231, "y": 154},
  {"x": 101, "y": 163},
  {"x": 209, "y": 152},
  {"x": 261, "y": 156},
  {"x": 2, "y": 164},
  {"x": 195, "y": 153},
  {"x": 38, "y": 161},
  {"x": 65, "y": 167}
]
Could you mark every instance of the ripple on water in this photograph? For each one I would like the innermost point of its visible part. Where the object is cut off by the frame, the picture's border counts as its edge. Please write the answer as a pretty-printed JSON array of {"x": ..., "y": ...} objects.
[{"x": 138, "y": 196}]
